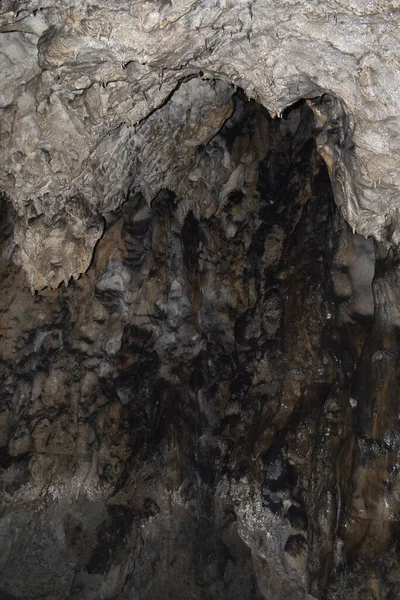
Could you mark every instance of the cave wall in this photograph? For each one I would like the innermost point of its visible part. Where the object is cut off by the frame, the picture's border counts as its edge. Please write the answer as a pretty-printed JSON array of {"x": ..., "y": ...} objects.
[
  {"x": 209, "y": 411},
  {"x": 198, "y": 351}
]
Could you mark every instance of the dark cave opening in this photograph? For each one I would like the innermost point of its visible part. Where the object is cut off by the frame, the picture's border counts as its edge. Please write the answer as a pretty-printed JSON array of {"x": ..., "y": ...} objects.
[{"x": 202, "y": 413}]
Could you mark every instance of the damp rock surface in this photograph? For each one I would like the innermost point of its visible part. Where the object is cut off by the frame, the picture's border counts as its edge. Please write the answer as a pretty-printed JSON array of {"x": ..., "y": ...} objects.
[{"x": 210, "y": 410}]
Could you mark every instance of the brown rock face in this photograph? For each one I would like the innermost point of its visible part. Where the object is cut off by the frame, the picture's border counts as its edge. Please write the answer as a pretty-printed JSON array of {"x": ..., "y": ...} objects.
[{"x": 210, "y": 411}]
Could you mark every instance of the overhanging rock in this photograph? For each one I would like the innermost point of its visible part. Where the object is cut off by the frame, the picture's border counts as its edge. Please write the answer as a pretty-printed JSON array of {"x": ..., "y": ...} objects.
[{"x": 81, "y": 84}]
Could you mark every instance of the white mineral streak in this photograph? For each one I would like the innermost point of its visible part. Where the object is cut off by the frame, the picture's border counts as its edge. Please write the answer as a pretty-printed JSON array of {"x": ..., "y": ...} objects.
[
  {"x": 266, "y": 534},
  {"x": 79, "y": 84}
]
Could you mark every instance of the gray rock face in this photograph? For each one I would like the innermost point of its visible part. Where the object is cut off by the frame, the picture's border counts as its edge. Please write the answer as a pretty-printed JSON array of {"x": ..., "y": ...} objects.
[{"x": 80, "y": 84}]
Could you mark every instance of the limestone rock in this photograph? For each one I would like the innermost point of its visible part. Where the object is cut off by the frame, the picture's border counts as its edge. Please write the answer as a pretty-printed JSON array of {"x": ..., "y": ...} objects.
[
  {"x": 209, "y": 406},
  {"x": 82, "y": 84}
]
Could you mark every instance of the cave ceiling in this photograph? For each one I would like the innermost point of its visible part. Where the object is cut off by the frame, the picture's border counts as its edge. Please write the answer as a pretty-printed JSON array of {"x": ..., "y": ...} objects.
[{"x": 92, "y": 99}]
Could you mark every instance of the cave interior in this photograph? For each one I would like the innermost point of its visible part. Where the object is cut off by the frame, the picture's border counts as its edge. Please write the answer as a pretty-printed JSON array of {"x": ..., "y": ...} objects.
[{"x": 210, "y": 410}]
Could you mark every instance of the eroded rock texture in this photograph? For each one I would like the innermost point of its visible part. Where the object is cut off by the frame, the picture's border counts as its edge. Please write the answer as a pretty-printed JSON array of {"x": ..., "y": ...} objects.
[
  {"x": 79, "y": 84},
  {"x": 210, "y": 411}
]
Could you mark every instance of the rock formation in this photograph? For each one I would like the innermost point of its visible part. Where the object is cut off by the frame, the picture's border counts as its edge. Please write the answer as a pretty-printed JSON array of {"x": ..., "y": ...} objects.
[{"x": 199, "y": 305}]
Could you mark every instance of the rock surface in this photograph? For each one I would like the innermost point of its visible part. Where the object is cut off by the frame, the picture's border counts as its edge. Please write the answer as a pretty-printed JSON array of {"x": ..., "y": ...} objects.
[
  {"x": 210, "y": 411},
  {"x": 80, "y": 83}
]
